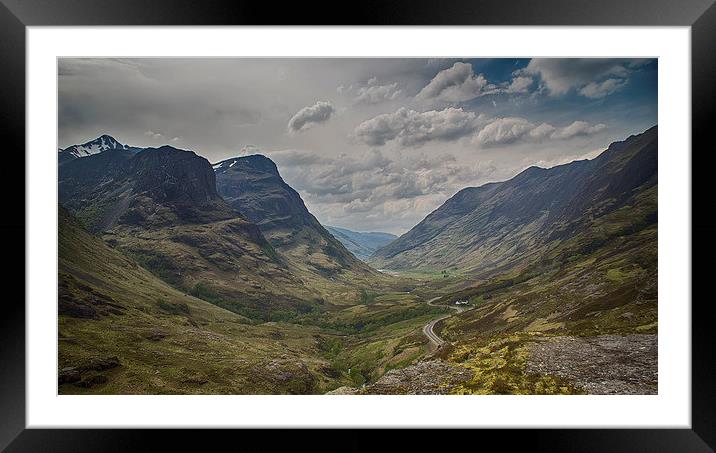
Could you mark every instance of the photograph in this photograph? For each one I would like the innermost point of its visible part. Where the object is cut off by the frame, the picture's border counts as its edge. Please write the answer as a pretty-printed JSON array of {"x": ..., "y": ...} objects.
[{"x": 357, "y": 226}]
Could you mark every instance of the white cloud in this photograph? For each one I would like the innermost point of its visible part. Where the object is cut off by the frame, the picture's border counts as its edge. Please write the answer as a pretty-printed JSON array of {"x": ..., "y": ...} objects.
[
  {"x": 596, "y": 90},
  {"x": 590, "y": 77},
  {"x": 519, "y": 84},
  {"x": 458, "y": 83},
  {"x": 372, "y": 92},
  {"x": 249, "y": 149},
  {"x": 412, "y": 128},
  {"x": 502, "y": 131},
  {"x": 409, "y": 128},
  {"x": 543, "y": 131},
  {"x": 307, "y": 117},
  {"x": 152, "y": 134},
  {"x": 375, "y": 94},
  {"x": 578, "y": 129}
]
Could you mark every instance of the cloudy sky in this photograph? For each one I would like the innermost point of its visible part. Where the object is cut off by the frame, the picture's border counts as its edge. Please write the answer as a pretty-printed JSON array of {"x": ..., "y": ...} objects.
[{"x": 370, "y": 144}]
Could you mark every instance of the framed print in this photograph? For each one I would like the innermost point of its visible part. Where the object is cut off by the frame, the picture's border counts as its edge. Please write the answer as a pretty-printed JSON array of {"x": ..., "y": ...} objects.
[{"x": 477, "y": 217}]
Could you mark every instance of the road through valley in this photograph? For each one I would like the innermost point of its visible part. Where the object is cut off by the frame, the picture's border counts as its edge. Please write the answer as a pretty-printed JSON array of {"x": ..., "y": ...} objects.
[{"x": 428, "y": 331}]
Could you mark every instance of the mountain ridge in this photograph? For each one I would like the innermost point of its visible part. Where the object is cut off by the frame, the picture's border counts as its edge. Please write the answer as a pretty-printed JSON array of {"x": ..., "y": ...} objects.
[{"x": 484, "y": 227}]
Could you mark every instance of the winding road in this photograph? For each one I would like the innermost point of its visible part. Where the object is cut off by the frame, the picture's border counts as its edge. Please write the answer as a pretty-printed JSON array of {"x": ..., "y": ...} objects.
[{"x": 428, "y": 331}]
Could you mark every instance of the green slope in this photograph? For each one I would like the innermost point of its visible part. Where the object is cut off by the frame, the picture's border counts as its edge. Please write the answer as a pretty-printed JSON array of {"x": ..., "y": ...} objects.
[{"x": 125, "y": 331}]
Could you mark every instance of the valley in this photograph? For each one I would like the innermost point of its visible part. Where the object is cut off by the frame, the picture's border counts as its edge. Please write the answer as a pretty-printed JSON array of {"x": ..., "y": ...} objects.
[{"x": 177, "y": 276}]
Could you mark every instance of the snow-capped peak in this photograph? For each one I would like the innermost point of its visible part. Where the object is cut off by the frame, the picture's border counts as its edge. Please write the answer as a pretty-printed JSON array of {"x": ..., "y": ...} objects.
[
  {"x": 96, "y": 146},
  {"x": 225, "y": 164}
]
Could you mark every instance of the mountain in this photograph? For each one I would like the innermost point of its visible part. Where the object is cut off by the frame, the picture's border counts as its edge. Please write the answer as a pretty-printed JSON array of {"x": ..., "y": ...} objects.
[
  {"x": 502, "y": 225},
  {"x": 160, "y": 206},
  {"x": 253, "y": 186},
  {"x": 157, "y": 186},
  {"x": 96, "y": 146},
  {"x": 361, "y": 244}
]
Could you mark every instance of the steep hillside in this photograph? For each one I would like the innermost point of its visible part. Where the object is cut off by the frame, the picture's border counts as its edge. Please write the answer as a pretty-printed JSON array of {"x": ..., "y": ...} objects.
[
  {"x": 122, "y": 330},
  {"x": 361, "y": 244},
  {"x": 513, "y": 223},
  {"x": 253, "y": 186},
  {"x": 161, "y": 207}
]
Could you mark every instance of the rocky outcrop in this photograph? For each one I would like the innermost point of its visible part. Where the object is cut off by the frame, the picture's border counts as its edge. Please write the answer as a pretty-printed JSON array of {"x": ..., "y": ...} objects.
[
  {"x": 286, "y": 376},
  {"x": 601, "y": 365},
  {"x": 429, "y": 377},
  {"x": 87, "y": 373}
]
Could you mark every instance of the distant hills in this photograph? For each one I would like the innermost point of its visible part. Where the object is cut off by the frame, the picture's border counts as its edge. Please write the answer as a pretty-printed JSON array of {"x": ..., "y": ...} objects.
[
  {"x": 361, "y": 244},
  {"x": 501, "y": 225}
]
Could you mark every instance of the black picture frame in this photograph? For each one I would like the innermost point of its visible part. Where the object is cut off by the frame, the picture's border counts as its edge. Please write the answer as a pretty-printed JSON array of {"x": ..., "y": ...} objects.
[{"x": 16, "y": 15}]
